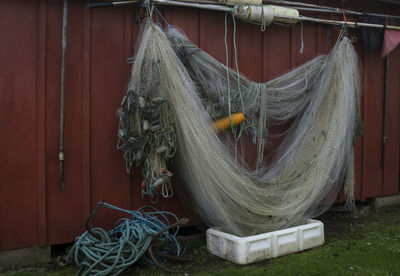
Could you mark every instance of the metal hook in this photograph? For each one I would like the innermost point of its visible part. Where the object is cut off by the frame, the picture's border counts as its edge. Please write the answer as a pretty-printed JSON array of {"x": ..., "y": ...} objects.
[{"x": 90, "y": 219}]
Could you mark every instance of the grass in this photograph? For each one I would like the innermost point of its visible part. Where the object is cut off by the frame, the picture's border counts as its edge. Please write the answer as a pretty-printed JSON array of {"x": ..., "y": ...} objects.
[{"x": 354, "y": 246}]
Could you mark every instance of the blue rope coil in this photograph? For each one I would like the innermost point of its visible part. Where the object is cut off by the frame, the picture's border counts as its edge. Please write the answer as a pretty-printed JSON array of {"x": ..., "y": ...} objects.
[{"x": 110, "y": 253}]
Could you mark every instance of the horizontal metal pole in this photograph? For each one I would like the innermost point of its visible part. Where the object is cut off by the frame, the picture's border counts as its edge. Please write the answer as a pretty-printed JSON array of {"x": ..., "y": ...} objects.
[
  {"x": 224, "y": 8},
  {"x": 327, "y": 8},
  {"x": 348, "y": 23},
  {"x": 189, "y": 4}
]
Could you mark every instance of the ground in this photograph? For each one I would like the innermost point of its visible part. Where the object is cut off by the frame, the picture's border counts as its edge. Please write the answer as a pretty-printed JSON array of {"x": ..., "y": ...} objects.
[{"x": 366, "y": 243}]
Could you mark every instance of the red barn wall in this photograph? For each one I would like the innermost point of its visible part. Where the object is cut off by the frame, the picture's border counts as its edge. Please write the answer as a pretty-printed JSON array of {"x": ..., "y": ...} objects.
[{"x": 33, "y": 210}]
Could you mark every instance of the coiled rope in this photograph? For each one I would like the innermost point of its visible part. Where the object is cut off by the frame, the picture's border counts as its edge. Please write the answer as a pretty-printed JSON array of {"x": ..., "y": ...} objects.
[{"x": 109, "y": 253}]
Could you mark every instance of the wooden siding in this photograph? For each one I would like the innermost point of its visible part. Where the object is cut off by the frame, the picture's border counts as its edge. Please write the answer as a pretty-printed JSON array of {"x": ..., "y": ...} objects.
[{"x": 33, "y": 210}]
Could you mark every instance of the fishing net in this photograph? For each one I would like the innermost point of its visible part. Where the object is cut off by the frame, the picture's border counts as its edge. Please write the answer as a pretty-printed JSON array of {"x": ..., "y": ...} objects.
[{"x": 317, "y": 102}]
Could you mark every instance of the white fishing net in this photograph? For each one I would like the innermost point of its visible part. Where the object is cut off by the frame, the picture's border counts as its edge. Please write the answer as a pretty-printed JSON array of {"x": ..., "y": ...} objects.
[{"x": 318, "y": 102}]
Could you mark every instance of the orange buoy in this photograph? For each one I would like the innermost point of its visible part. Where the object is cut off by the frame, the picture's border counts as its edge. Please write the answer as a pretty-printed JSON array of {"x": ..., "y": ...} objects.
[{"x": 224, "y": 123}]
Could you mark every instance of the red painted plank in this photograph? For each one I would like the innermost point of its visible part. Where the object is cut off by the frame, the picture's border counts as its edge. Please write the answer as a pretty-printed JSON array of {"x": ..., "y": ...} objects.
[
  {"x": 249, "y": 41},
  {"x": 212, "y": 35},
  {"x": 358, "y": 170},
  {"x": 249, "y": 44},
  {"x": 131, "y": 33},
  {"x": 373, "y": 105},
  {"x": 276, "y": 57},
  {"x": 276, "y": 51},
  {"x": 276, "y": 61},
  {"x": 186, "y": 20},
  {"x": 108, "y": 78},
  {"x": 326, "y": 34},
  {"x": 41, "y": 124},
  {"x": 373, "y": 88},
  {"x": 18, "y": 139},
  {"x": 85, "y": 107},
  {"x": 391, "y": 170}
]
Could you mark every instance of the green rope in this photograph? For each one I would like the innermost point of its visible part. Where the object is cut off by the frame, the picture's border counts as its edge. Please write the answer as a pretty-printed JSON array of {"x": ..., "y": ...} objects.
[
  {"x": 233, "y": 128},
  {"x": 237, "y": 72},
  {"x": 228, "y": 74},
  {"x": 261, "y": 129}
]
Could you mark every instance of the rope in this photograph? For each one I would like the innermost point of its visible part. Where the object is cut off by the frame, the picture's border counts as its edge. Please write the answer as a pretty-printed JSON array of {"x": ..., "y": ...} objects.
[
  {"x": 344, "y": 16},
  {"x": 233, "y": 128},
  {"x": 263, "y": 24},
  {"x": 262, "y": 131},
  {"x": 302, "y": 38},
  {"x": 162, "y": 17},
  {"x": 110, "y": 253},
  {"x": 237, "y": 70}
]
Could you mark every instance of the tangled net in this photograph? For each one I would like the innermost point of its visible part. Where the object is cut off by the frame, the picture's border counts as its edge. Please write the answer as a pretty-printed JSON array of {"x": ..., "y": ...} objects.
[
  {"x": 147, "y": 135},
  {"x": 318, "y": 99}
]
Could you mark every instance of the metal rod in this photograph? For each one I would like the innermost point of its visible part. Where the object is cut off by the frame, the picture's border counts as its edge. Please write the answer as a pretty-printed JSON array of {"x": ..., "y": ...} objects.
[
  {"x": 327, "y": 8},
  {"x": 130, "y": 2},
  {"x": 340, "y": 22},
  {"x": 110, "y": 4},
  {"x": 299, "y": 6},
  {"x": 294, "y": 3},
  {"x": 121, "y": 3},
  {"x": 62, "y": 93},
  {"x": 196, "y": 5},
  {"x": 314, "y": 10},
  {"x": 319, "y": 10},
  {"x": 193, "y": 5},
  {"x": 229, "y": 9},
  {"x": 212, "y": 2}
]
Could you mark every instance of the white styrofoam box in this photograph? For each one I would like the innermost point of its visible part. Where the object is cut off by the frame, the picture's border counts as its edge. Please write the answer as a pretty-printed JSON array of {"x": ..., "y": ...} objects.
[
  {"x": 285, "y": 242},
  {"x": 311, "y": 234},
  {"x": 246, "y": 250}
]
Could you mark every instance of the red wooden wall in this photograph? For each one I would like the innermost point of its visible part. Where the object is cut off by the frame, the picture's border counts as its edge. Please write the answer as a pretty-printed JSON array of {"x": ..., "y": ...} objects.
[{"x": 33, "y": 210}]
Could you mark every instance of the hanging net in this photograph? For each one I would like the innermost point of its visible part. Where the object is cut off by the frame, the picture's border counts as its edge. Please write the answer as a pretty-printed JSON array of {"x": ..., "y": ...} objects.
[{"x": 317, "y": 102}]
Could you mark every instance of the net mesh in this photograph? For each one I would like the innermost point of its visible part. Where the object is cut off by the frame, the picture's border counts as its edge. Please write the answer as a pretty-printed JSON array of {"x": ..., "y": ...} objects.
[{"x": 318, "y": 101}]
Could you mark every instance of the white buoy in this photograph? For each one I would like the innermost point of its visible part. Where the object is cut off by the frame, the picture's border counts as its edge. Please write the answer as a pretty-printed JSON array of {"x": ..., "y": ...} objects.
[
  {"x": 281, "y": 14},
  {"x": 145, "y": 125},
  {"x": 266, "y": 14},
  {"x": 260, "y": 14},
  {"x": 142, "y": 102}
]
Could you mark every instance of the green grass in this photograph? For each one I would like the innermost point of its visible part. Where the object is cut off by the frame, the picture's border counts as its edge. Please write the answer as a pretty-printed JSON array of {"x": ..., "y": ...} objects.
[
  {"x": 354, "y": 246},
  {"x": 42, "y": 272}
]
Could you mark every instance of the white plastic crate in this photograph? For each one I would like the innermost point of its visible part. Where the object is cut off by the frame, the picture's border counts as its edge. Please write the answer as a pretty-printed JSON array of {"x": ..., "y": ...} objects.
[{"x": 246, "y": 250}]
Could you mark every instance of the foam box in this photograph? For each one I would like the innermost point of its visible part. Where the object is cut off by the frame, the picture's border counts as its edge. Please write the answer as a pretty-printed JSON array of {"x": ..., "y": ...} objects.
[{"x": 246, "y": 250}]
